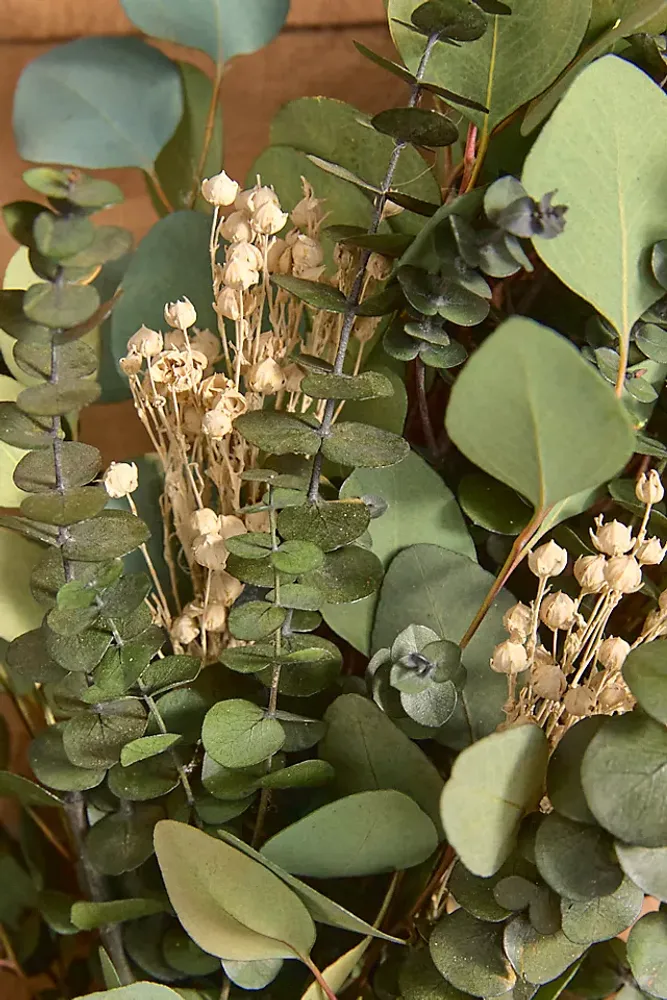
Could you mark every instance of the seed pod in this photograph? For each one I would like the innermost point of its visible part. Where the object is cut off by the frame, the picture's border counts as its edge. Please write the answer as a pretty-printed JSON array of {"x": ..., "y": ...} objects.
[
  {"x": 379, "y": 267},
  {"x": 121, "y": 479},
  {"x": 616, "y": 697},
  {"x": 266, "y": 377},
  {"x": 224, "y": 588},
  {"x": 246, "y": 253},
  {"x": 589, "y": 573},
  {"x": 651, "y": 552},
  {"x": 649, "y": 488},
  {"x": 215, "y": 617},
  {"x": 217, "y": 424},
  {"x": 210, "y": 551},
  {"x": 238, "y": 275},
  {"x": 509, "y": 658},
  {"x": 236, "y": 228},
  {"x": 579, "y": 701},
  {"x": 184, "y": 629},
  {"x": 268, "y": 219},
  {"x": 548, "y": 560},
  {"x": 612, "y": 652},
  {"x": 146, "y": 342},
  {"x": 623, "y": 574},
  {"x": 306, "y": 254},
  {"x": 231, "y": 525},
  {"x": 518, "y": 620},
  {"x": 132, "y": 364},
  {"x": 181, "y": 314},
  {"x": 219, "y": 190},
  {"x": 205, "y": 522},
  {"x": 557, "y": 611},
  {"x": 614, "y": 538},
  {"x": 548, "y": 681}
]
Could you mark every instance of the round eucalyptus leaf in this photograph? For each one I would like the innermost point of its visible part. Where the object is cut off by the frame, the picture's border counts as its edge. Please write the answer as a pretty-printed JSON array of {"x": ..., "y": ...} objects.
[
  {"x": 60, "y": 306},
  {"x": 248, "y": 659},
  {"x": 78, "y": 653},
  {"x": 644, "y": 673},
  {"x": 21, "y": 430},
  {"x": 255, "y": 620},
  {"x": 253, "y": 975},
  {"x": 659, "y": 262},
  {"x": 226, "y": 784},
  {"x": 143, "y": 944},
  {"x": 399, "y": 344},
  {"x": 433, "y": 706},
  {"x": 604, "y": 917},
  {"x": 417, "y": 126},
  {"x": 15, "y": 786},
  {"x": 181, "y": 952},
  {"x": 299, "y": 596},
  {"x": 625, "y": 780},
  {"x": 478, "y": 895},
  {"x": 111, "y": 534},
  {"x": 148, "y": 779},
  {"x": 95, "y": 740},
  {"x": 314, "y": 293},
  {"x": 53, "y": 767},
  {"x": 298, "y": 556},
  {"x": 647, "y": 953},
  {"x": 493, "y": 505},
  {"x": 514, "y": 892},
  {"x": 75, "y": 359},
  {"x": 19, "y": 218},
  {"x": 306, "y": 774},
  {"x": 646, "y": 866},
  {"x": 538, "y": 958},
  {"x": 213, "y": 812},
  {"x": 469, "y": 954},
  {"x": 347, "y": 574},
  {"x": 367, "y": 385},
  {"x": 456, "y": 19},
  {"x": 361, "y": 834},
  {"x": 79, "y": 463},
  {"x": 500, "y": 195},
  {"x": 28, "y": 660},
  {"x": 109, "y": 243},
  {"x": 148, "y": 746},
  {"x": 59, "y": 237},
  {"x": 257, "y": 572},
  {"x": 564, "y": 772},
  {"x": 122, "y": 841},
  {"x": 250, "y": 545},
  {"x": 277, "y": 433},
  {"x": 309, "y": 664},
  {"x": 327, "y": 523},
  {"x": 237, "y": 733},
  {"x": 356, "y": 444},
  {"x": 576, "y": 860},
  {"x": 58, "y": 398},
  {"x": 443, "y": 357},
  {"x": 55, "y": 907},
  {"x": 104, "y": 75},
  {"x": 418, "y": 979},
  {"x": 182, "y": 711},
  {"x": 168, "y": 672}
]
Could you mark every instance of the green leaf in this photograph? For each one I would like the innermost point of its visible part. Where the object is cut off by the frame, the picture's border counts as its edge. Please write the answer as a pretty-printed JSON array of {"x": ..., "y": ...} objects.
[
  {"x": 564, "y": 772},
  {"x": 58, "y": 399},
  {"x": 460, "y": 21},
  {"x": 170, "y": 262},
  {"x": 255, "y": 620},
  {"x": 250, "y": 545},
  {"x": 95, "y": 740},
  {"x": 486, "y": 70},
  {"x": 418, "y": 979},
  {"x": 363, "y": 445},
  {"x": 178, "y": 163},
  {"x": 469, "y": 954},
  {"x": 324, "y": 910},
  {"x": 59, "y": 237},
  {"x": 538, "y": 958},
  {"x": 277, "y": 433},
  {"x": 492, "y": 505},
  {"x": 15, "y": 786},
  {"x": 299, "y": 596},
  {"x": 326, "y": 523},
  {"x": 296, "y": 557},
  {"x": 431, "y": 707},
  {"x": 53, "y": 767},
  {"x": 75, "y": 360},
  {"x": 625, "y": 780},
  {"x": 162, "y": 674},
  {"x": 253, "y": 975},
  {"x": 613, "y": 230},
  {"x": 360, "y": 834},
  {"x": 60, "y": 306},
  {"x": 137, "y": 991},
  {"x": 120, "y": 668},
  {"x": 577, "y": 861},
  {"x": 604, "y": 917},
  {"x": 417, "y": 126},
  {"x": 229, "y": 904},
  {"x": 646, "y": 866},
  {"x": 77, "y": 104},
  {"x": 652, "y": 341},
  {"x": 369, "y": 752},
  {"x": 312, "y": 663},
  {"x": 427, "y": 585},
  {"x": 644, "y": 673},
  {"x": 317, "y": 294},
  {"x": 236, "y": 733},
  {"x": 186, "y": 956},
  {"x": 338, "y": 973},
  {"x": 402, "y": 487},
  {"x": 522, "y": 401},
  {"x": 27, "y": 658},
  {"x": 490, "y": 898},
  {"x": 500, "y": 777},
  {"x": 367, "y": 385},
  {"x": 340, "y": 134},
  {"x": 147, "y": 779},
  {"x": 122, "y": 841},
  {"x": 19, "y": 218},
  {"x": 111, "y": 534},
  {"x": 306, "y": 774},
  {"x": 147, "y": 746},
  {"x": 221, "y": 28},
  {"x": 647, "y": 953},
  {"x": 17, "y": 428},
  {"x": 348, "y": 574},
  {"x": 89, "y": 916},
  {"x": 619, "y": 20}
]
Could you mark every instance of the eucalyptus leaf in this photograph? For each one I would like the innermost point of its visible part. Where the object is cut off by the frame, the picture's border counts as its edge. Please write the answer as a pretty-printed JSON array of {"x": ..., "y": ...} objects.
[
  {"x": 624, "y": 779},
  {"x": 255, "y": 620},
  {"x": 419, "y": 979},
  {"x": 347, "y": 574},
  {"x": 468, "y": 953},
  {"x": 520, "y": 403},
  {"x": 77, "y": 104},
  {"x": 564, "y": 772},
  {"x": 317, "y": 294},
  {"x": 418, "y": 126},
  {"x": 95, "y": 740},
  {"x": 53, "y": 768},
  {"x": 58, "y": 306},
  {"x": 15, "y": 786},
  {"x": 644, "y": 673},
  {"x": 577, "y": 861},
  {"x": 492, "y": 505},
  {"x": 236, "y": 733},
  {"x": 362, "y": 445},
  {"x": 79, "y": 463},
  {"x": 604, "y": 917},
  {"x": 539, "y": 958},
  {"x": 360, "y": 834},
  {"x": 58, "y": 399},
  {"x": 500, "y": 777},
  {"x": 647, "y": 953},
  {"x": 137, "y": 991},
  {"x": 614, "y": 230},
  {"x": 111, "y": 534},
  {"x": 278, "y": 433},
  {"x": 88, "y": 916},
  {"x": 253, "y": 975},
  {"x": 229, "y": 904},
  {"x": 122, "y": 841},
  {"x": 326, "y": 523},
  {"x": 169, "y": 671},
  {"x": 187, "y": 957},
  {"x": 367, "y": 385},
  {"x": 145, "y": 780},
  {"x": 147, "y": 746}
]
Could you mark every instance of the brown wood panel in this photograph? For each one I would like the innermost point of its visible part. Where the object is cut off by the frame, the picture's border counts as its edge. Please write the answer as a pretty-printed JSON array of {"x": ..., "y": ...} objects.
[{"x": 51, "y": 19}]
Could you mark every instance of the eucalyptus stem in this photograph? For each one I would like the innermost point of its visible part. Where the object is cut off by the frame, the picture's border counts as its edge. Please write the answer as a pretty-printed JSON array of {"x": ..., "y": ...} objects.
[
  {"x": 354, "y": 298},
  {"x": 424, "y": 415}
]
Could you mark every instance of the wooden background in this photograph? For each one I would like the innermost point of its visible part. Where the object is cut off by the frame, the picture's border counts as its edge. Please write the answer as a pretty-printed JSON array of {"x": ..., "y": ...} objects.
[{"x": 313, "y": 55}]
